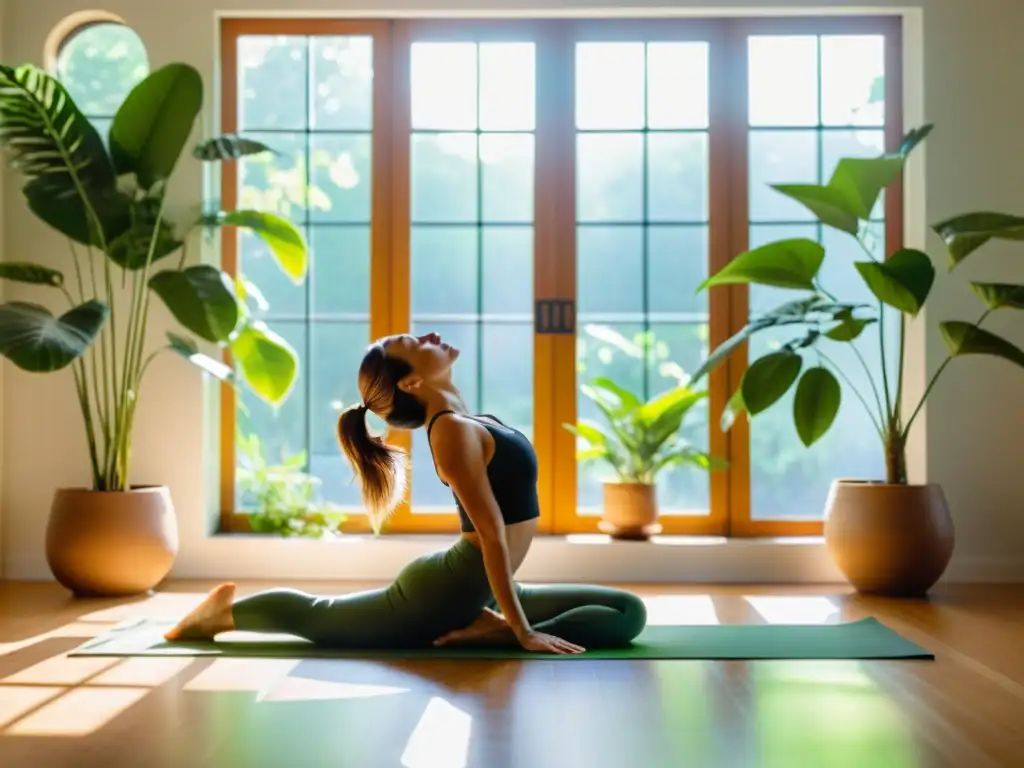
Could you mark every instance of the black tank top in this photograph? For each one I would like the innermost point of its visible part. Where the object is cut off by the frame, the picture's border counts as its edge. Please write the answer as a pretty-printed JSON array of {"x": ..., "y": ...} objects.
[{"x": 512, "y": 473}]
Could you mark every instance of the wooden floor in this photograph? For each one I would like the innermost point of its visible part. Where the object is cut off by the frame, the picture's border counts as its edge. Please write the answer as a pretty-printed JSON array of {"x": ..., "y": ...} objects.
[{"x": 965, "y": 709}]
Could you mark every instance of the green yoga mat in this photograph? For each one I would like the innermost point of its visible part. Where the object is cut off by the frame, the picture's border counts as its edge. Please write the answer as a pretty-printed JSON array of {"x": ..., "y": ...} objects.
[{"x": 864, "y": 639}]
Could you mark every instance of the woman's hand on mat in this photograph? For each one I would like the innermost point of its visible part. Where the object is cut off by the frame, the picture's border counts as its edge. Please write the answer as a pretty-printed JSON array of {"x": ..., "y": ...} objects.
[{"x": 539, "y": 642}]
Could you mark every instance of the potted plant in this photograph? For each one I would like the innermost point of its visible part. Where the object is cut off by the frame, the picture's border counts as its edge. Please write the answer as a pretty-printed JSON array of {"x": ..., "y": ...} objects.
[
  {"x": 637, "y": 441},
  {"x": 118, "y": 537},
  {"x": 889, "y": 537}
]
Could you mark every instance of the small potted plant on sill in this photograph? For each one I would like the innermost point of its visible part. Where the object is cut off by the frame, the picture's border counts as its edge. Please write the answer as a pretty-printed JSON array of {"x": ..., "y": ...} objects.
[
  {"x": 888, "y": 537},
  {"x": 638, "y": 441},
  {"x": 117, "y": 537}
]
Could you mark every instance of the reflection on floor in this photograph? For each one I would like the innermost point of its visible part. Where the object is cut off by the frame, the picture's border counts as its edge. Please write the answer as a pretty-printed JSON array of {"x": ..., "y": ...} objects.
[{"x": 961, "y": 710}]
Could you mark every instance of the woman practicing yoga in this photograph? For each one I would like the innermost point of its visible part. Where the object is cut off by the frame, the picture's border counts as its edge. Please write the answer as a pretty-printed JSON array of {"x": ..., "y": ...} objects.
[{"x": 466, "y": 594}]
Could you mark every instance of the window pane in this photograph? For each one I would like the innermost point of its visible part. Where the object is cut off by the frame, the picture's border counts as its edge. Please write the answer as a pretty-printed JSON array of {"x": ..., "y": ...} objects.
[
  {"x": 340, "y": 274},
  {"x": 99, "y": 65},
  {"x": 507, "y": 375},
  {"x": 677, "y": 264},
  {"x": 341, "y": 178},
  {"x": 507, "y": 167},
  {"x": 609, "y": 270},
  {"x": 609, "y": 177},
  {"x": 272, "y": 75},
  {"x": 609, "y": 86},
  {"x": 444, "y": 177},
  {"x": 677, "y": 177},
  {"x": 276, "y": 434},
  {"x": 342, "y": 83},
  {"x": 677, "y": 85},
  {"x": 444, "y": 86},
  {"x": 781, "y": 157},
  {"x": 783, "y": 80},
  {"x": 507, "y": 86},
  {"x": 337, "y": 349},
  {"x": 277, "y": 182},
  {"x": 853, "y": 80},
  {"x": 508, "y": 270},
  {"x": 675, "y": 352},
  {"x": 444, "y": 270},
  {"x": 789, "y": 481}
]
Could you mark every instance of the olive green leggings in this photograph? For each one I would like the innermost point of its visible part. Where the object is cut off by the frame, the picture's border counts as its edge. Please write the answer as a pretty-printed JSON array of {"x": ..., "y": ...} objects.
[{"x": 433, "y": 595}]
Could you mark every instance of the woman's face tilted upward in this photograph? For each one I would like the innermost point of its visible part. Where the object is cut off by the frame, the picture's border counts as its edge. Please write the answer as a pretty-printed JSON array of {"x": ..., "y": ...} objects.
[{"x": 430, "y": 357}]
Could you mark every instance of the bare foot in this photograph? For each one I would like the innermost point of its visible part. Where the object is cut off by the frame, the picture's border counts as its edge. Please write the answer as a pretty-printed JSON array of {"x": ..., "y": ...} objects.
[
  {"x": 489, "y": 628},
  {"x": 209, "y": 618}
]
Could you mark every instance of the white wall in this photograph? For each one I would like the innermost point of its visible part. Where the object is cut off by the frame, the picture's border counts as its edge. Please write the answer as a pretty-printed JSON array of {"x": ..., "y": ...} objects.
[{"x": 972, "y": 65}]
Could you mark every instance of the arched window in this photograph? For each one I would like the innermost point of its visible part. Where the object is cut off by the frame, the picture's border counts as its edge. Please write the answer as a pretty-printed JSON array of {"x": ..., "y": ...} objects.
[{"x": 99, "y": 59}]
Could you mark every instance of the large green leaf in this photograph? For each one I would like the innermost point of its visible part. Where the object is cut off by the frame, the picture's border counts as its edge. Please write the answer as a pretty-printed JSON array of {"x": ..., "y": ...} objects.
[
  {"x": 201, "y": 298},
  {"x": 902, "y": 281},
  {"x": 815, "y": 404},
  {"x": 662, "y": 417},
  {"x": 24, "y": 272},
  {"x": 130, "y": 249},
  {"x": 966, "y": 339},
  {"x": 228, "y": 147},
  {"x": 589, "y": 432},
  {"x": 268, "y": 363},
  {"x": 860, "y": 180},
  {"x": 790, "y": 263},
  {"x": 965, "y": 234},
  {"x": 57, "y": 150},
  {"x": 188, "y": 349},
  {"x": 1000, "y": 295},
  {"x": 154, "y": 122},
  {"x": 768, "y": 378},
  {"x": 621, "y": 400},
  {"x": 34, "y": 340},
  {"x": 848, "y": 327},
  {"x": 280, "y": 235},
  {"x": 828, "y": 204}
]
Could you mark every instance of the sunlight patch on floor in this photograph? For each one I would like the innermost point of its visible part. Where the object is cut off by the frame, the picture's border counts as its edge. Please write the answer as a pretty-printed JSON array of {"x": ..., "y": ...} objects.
[
  {"x": 241, "y": 675},
  {"x": 60, "y": 670},
  {"x": 307, "y": 689},
  {"x": 779, "y": 609},
  {"x": 19, "y": 700},
  {"x": 668, "y": 610},
  {"x": 74, "y": 629},
  {"x": 440, "y": 738},
  {"x": 79, "y": 712}
]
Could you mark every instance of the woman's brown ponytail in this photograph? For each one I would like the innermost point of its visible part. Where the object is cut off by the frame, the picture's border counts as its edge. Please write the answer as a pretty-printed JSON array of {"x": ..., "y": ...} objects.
[{"x": 380, "y": 469}]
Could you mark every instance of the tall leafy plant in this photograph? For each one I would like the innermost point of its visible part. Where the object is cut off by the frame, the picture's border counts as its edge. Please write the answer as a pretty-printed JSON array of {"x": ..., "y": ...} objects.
[
  {"x": 112, "y": 208},
  {"x": 638, "y": 440},
  {"x": 901, "y": 282}
]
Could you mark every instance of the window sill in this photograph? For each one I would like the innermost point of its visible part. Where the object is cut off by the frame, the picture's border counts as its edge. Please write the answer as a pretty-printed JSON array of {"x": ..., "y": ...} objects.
[{"x": 572, "y": 558}]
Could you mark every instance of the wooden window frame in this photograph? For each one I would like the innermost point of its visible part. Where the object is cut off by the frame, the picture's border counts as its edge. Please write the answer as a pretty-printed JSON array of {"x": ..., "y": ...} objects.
[{"x": 555, "y": 380}]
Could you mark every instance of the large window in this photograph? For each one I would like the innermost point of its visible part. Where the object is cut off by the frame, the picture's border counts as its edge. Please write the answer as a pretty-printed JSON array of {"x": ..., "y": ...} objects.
[{"x": 456, "y": 176}]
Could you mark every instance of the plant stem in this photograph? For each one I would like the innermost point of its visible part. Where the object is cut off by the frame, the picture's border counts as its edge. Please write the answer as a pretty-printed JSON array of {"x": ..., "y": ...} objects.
[
  {"x": 899, "y": 370},
  {"x": 870, "y": 378},
  {"x": 78, "y": 368},
  {"x": 885, "y": 368},
  {"x": 895, "y": 458},
  {"x": 934, "y": 380}
]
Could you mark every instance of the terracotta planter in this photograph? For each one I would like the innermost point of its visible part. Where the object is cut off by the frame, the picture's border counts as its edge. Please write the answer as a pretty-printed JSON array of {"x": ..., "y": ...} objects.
[
  {"x": 111, "y": 543},
  {"x": 630, "y": 511},
  {"x": 889, "y": 539}
]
